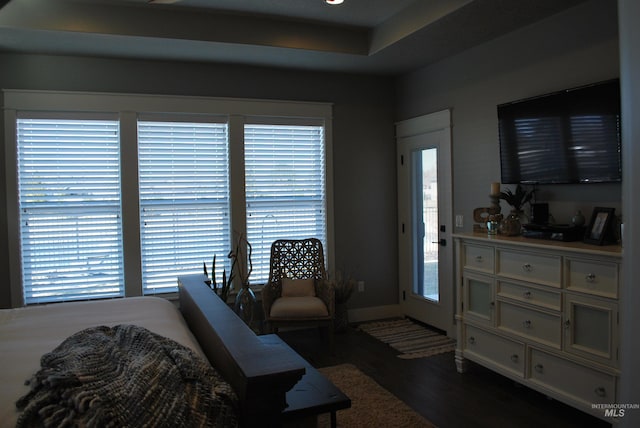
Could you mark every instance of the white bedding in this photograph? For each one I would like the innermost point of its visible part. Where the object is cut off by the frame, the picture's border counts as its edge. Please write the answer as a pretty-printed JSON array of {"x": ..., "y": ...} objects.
[{"x": 28, "y": 333}]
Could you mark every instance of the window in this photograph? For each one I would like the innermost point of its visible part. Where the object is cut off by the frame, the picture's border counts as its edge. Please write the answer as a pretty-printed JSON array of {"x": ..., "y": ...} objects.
[
  {"x": 69, "y": 200},
  {"x": 117, "y": 195},
  {"x": 184, "y": 199},
  {"x": 285, "y": 188}
]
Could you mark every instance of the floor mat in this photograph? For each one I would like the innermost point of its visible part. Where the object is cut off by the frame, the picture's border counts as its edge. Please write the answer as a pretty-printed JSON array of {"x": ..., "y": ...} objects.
[{"x": 413, "y": 340}]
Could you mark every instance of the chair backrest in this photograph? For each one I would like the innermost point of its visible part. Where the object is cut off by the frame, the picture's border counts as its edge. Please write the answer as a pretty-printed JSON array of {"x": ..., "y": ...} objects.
[{"x": 296, "y": 259}]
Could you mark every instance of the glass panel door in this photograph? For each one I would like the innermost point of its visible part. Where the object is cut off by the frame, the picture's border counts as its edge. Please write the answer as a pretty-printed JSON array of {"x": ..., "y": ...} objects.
[
  {"x": 425, "y": 218},
  {"x": 426, "y": 290}
]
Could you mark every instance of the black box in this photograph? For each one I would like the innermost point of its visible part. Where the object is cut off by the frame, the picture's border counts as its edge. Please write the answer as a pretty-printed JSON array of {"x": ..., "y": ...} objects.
[{"x": 540, "y": 213}]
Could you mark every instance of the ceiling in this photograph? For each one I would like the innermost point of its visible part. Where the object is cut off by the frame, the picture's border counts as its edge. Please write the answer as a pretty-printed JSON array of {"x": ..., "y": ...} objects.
[{"x": 360, "y": 36}]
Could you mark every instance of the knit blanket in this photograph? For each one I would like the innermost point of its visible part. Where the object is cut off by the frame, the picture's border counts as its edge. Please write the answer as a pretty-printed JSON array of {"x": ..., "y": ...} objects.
[{"x": 126, "y": 376}]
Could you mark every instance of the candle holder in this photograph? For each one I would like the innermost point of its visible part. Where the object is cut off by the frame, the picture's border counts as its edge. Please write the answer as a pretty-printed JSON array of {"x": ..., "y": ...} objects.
[
  {"x": 495, "y": 204},
  {"x": 485, "y": 215}
]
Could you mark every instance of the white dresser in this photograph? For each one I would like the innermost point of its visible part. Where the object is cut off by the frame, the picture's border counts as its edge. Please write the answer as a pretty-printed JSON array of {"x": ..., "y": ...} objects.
[{"x": 543, "y": 313}]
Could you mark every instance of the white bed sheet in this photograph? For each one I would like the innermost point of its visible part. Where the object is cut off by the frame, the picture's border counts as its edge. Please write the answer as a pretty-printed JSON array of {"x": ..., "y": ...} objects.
[{"x": 28, "y": 333}]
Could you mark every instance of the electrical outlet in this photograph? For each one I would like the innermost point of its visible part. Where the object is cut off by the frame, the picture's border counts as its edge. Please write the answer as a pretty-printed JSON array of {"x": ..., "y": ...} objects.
[
  {"x": 360, "y": 286},
  {"x": 459, "y": 220}
]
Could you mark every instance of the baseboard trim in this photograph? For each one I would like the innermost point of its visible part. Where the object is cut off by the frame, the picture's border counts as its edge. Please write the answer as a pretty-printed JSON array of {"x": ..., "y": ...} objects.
[{"x": 374, "y": 313}]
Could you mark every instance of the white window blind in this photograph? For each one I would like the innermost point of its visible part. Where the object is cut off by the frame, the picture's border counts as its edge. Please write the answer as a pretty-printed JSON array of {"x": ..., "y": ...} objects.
[
  {"x": 184, "y": 200},
  {"x": 70, "y": 218},
  {"x": 285, "y": 188}
]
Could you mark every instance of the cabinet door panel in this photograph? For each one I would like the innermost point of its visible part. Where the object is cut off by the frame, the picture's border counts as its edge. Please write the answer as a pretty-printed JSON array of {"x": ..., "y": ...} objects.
[
  {"x": 591, "y": 326},
  {"x": 479, "y": 295}
]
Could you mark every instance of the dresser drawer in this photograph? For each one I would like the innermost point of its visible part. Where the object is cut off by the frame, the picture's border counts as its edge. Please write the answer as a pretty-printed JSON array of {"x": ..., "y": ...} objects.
[
  {"x": 537, "y": 325},
  {"x": 532, "y": 295},
  {"x": 583, "y": 384},
  {"x": 496, "y": 350},
  {"x": 479, "y": 258},
  {"x": 592, "y": 276},
  {"x": 534, "y": 267}
]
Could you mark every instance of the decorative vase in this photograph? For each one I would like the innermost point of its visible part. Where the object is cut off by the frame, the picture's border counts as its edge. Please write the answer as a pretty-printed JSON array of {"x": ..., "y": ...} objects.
[
  {"x": 245, "y": 305},
  {"x": 578, "y": 219},
  {"x": 511, "y": 225},
  {"x": 341, "y": 321}
]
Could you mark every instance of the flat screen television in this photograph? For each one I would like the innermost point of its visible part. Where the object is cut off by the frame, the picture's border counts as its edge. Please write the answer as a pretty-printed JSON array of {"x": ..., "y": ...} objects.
[{"x": 570, "y": 136}]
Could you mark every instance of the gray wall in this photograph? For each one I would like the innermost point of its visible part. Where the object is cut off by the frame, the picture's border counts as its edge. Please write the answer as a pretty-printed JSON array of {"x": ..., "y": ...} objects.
[
  {"x": 630, "y": 301},
  {"x": 363, "y": 142},
  {"x": 577, "y": 47}
]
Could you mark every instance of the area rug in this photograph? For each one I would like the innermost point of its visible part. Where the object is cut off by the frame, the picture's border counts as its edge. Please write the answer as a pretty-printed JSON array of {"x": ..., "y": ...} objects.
[
  {"x": 413, "y": 340},
  {"x": 371, "y": 404}
]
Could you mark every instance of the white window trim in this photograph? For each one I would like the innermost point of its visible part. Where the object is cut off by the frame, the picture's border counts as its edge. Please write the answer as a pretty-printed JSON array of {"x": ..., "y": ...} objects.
[
  {"x": 98, "y": 271},
  {"x": 129, "y": 107},
  {"x": 299, "y": 220}
]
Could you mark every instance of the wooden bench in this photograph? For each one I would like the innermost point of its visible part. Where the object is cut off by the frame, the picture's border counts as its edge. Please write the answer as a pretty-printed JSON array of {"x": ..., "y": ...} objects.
[{"x": 275, "y": 384}]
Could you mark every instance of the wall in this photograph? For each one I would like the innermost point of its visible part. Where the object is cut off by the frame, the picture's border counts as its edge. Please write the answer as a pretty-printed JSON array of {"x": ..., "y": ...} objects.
[
  {"x": 5, "y": 289},
  {"x": 574, "y": 48},
  {"x": 363, "y": 142},
  {"x": 630, "y": 316}
]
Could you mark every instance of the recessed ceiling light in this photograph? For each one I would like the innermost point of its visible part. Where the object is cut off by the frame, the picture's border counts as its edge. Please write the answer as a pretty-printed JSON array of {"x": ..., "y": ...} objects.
[{"x": 333, "y": 1}]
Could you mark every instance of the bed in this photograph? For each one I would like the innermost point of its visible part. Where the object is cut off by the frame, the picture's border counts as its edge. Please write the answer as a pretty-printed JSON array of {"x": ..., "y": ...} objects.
[{"x": 259, "y": 369}]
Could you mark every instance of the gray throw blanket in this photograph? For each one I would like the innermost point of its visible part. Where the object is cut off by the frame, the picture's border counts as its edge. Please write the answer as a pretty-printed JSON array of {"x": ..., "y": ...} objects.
[{"x": 126, "y": 376}]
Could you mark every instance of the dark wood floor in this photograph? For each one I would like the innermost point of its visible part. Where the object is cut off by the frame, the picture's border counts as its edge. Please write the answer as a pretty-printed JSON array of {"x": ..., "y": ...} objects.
[{"x": 432, "y": 386}]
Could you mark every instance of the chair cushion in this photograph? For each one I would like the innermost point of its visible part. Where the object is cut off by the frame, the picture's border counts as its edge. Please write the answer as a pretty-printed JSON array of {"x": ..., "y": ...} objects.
[
  {"x": 298, "y": 287},
  {"x": 298, "y": 307}
]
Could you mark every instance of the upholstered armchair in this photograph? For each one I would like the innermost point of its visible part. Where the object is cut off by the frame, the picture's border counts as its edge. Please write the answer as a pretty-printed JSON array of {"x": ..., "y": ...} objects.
[{"x": 297, "y": 293}]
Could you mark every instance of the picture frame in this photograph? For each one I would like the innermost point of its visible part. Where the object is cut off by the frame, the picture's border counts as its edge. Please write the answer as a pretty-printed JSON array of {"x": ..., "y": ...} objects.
[{"x": 600, "y": 229}]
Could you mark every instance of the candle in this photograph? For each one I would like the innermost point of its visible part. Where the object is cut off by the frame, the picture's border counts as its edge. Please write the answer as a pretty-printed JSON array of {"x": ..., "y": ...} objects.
[{"x": 495, "y": 188}]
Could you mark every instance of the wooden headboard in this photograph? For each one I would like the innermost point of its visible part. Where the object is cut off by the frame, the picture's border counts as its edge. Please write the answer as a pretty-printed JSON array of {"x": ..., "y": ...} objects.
[{"x": 260, "y": 371}]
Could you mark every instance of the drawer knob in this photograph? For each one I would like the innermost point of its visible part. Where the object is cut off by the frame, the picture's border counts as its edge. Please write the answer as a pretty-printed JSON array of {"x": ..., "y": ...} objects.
[
  {"x": 527, "y": 294},
  {"x": 514, "y": 358},
  {"x": 539, "y": 368},
  {"x": 527, "y": 267},
  {"x": 567, "y": 324},
  {"x": 600, "y": 391},
  {"x": 526, "y": 324},
  {"x": 479, "y": 259},
  {"x": 590, "y": 277},
  {"x": 472, "y": 340}
]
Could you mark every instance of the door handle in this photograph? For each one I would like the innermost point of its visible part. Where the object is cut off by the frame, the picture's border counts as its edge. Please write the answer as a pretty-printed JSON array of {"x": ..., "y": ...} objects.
[{"x": 442, "y": 242}]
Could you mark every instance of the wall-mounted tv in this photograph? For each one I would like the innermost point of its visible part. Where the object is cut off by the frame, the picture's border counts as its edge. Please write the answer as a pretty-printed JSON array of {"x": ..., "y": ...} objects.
[{"x": 570, "y": 136}]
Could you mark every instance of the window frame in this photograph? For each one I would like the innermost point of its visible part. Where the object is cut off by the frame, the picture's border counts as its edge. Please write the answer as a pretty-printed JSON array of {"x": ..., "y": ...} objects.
[
  {"x": 268, "y": 122},
  {"x": 75, "y": 210},
  {"x": 215, "y": 197},
  {"x": 128, "y": 107}
]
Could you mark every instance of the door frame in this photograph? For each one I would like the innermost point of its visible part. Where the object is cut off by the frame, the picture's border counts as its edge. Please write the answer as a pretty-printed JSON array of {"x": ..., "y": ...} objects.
[{"x": 438, "y": 314}]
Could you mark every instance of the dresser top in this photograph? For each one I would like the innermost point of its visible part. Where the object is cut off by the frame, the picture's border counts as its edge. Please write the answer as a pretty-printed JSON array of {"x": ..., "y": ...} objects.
[{"x": 575, "y": 246}]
